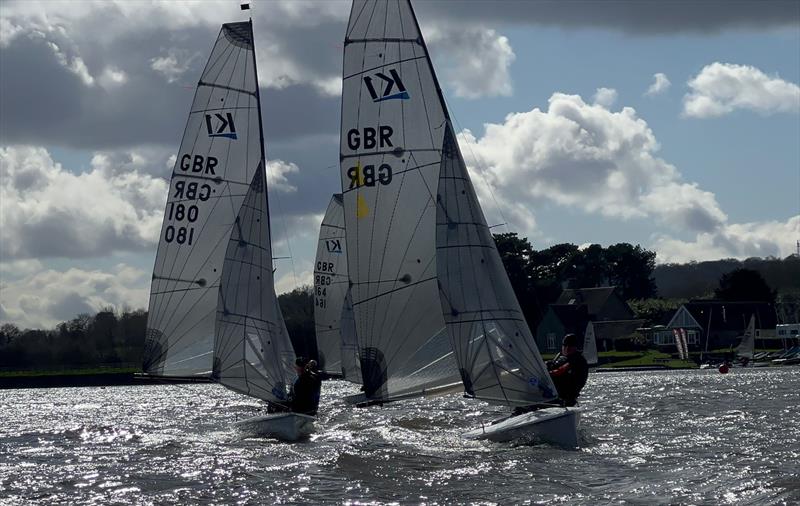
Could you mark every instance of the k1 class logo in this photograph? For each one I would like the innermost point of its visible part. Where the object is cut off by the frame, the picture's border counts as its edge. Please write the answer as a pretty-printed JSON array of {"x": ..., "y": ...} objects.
[
  {"x": 333, "y": 245},
  {"x": 389, "y": 83},
  {"x": 218, "y": 125}
]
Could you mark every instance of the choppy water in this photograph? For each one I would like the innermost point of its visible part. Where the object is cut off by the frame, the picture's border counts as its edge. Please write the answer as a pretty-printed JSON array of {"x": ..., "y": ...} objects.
[{"x": 693, "y": 437}]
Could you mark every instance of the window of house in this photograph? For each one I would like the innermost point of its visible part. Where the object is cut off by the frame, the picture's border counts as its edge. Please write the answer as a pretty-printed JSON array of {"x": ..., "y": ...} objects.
[{"x": 551, "y": 341}]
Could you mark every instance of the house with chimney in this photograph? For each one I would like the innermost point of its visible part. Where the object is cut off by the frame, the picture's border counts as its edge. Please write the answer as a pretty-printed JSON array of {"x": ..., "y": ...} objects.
[{"x": 576, "y": 307}]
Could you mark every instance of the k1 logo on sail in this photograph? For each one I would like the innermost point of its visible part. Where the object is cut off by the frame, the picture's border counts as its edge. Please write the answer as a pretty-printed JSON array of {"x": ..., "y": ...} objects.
[
  {"x": 218, "y": 125},
  {"x": 390, "y": 82}
]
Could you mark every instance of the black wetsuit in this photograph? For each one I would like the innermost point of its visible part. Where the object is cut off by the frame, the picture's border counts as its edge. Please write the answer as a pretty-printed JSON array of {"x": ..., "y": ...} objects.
[
  {"x": 569, "y": 374},
  {"x": 305, "y": 393}
]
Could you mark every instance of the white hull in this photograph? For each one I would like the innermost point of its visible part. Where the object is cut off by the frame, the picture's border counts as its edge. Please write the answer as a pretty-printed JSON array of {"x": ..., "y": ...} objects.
[
  {"x": 553, "y": 425},
  {"x": 283, "y": 426}
]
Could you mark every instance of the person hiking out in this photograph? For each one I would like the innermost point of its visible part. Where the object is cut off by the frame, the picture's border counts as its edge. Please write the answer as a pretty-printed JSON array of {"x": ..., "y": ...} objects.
[{"x": 569, "y": 370}]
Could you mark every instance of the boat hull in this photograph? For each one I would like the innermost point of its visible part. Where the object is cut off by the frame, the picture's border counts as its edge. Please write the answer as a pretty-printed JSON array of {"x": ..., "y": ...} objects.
[
  {"x": 553, "y": 425},
  {"x": 283, "y": 426}
]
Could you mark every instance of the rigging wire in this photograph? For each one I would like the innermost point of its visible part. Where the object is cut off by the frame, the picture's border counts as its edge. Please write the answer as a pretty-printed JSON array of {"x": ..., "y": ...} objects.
[{"x": 277, "y": 200}]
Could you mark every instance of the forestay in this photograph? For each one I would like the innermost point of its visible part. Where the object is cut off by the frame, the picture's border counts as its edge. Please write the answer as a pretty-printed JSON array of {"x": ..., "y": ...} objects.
[
  {"x": 330, "y": 287},
  {"x": 393, "y": 124},
  {"x": 496, "y": 353},
  {"x": 219, "y": 155},
  {"x": 252, "y": 353}
]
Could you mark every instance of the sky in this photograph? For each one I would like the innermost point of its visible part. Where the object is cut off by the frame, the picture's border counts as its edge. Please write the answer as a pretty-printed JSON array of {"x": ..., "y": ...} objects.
[{"x": 673, "y": 125}]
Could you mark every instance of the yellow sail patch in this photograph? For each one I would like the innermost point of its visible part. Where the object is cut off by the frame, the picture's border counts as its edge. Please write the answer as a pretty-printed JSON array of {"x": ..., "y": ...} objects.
[{"x": 362, "y": 211}]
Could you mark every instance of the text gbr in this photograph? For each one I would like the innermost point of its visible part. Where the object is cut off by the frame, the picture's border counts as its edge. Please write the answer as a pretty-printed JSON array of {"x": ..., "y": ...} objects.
[
  {"x": 370, "y": 138},
  {"x": 181, "y": 216}
]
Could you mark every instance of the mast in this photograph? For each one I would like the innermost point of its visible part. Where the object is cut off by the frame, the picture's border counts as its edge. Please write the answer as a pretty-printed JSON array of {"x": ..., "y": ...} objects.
[{"x": 260, "y": 122}]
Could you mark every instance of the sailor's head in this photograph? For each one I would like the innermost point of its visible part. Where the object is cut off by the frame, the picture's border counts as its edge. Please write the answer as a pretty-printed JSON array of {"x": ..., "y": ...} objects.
[
  {"x": 569, "y": 343},
  {"x": 300, "y": 364}
]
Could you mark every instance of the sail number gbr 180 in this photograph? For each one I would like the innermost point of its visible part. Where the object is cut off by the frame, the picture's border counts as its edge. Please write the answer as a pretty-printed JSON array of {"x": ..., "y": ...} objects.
[{"x": 181, "y": 213}]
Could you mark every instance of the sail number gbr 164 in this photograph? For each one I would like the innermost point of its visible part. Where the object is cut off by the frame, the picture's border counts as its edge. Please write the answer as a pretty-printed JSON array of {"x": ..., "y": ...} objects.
[
  {"x": 181, "y": 213},
  {"x": 322, "y": 280}
]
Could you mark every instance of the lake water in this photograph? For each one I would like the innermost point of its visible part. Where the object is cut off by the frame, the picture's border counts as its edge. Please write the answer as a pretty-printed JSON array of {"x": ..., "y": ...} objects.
[{"x": 678, "y": 437}]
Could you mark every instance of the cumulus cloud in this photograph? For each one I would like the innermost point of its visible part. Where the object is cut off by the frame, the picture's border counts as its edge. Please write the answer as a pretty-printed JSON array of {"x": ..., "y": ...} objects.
[
  {"x": 45, "y": 297},
  {"x": 474, "y": 60},
  {"x": 588, "y": 157},
  {"x": 605, "y": 97},
  {"x": 116, "y": 205},
  {"x": 721, "y": 88},
  {"x": 660, "y": 84},
  {"x": 174, "y": 64},
  {"x": 74, "y": 64},
  {"x": 276, "y": 176},
  {"x": 761, "y": 239},
  {"x": 48, "y": 211}
]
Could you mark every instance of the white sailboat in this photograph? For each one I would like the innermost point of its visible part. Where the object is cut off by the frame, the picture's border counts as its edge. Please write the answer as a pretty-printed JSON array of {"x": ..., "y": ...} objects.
[
  {"x": 213, "y": 310},
  {"x": 426, "y": 276},
  {"x": 390, "y": 153},
  {"x": 590, "y": 345},
  {"x": 337, "y": 345},
  {"x": 747, "y": 346}
]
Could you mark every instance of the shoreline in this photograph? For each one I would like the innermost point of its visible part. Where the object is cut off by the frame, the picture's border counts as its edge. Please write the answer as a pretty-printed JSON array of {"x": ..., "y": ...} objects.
[{"x": 35, "y": 379}]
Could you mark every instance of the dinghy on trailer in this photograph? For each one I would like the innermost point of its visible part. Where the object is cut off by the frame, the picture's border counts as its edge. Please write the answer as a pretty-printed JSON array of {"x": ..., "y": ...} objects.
[
  {"x": 213, "y": 310},
  {"x": 423, "y": 262}
]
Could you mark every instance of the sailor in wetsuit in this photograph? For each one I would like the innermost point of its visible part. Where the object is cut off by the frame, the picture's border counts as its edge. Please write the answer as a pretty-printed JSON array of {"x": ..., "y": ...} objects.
[
  {"x": 569, "y": 370},
  {"x": 304, "y": 397}
]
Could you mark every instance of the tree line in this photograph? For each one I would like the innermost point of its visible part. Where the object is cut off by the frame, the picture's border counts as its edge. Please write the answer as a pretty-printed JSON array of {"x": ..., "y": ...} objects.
[{"x": 537, "y": 277}]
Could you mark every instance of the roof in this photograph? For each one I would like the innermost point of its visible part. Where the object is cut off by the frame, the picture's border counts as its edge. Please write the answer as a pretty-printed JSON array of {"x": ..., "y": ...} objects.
[
  {"x": 732, "y": 316},
  {"x": 573, "y": 317},
  {"x": 616, "y": 329},
  {"x": 594, "y": 298}
]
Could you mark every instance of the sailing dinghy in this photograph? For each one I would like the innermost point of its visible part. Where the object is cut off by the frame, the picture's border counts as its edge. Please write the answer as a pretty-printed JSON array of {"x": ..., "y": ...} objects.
[
  {"x": 213, "y": 310},
  {"x": 390, "y": 151},
  {"x": 428, "y": 284},
  {"x": 337, "y": 345}
]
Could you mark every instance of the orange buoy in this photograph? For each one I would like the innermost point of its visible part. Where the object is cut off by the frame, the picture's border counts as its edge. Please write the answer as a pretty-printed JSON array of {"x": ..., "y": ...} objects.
[{"x": 723, "y": 369}]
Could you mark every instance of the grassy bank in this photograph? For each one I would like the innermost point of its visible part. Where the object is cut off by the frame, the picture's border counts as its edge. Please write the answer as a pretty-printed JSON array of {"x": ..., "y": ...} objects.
[{"x": 646, "y": 358}]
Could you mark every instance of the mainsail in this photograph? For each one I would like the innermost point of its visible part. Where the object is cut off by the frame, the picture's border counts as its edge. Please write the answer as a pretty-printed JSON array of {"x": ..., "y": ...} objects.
[
  {"x": 220, "y": 154},
  {"x": 393, "y": 126},
  {"x": 330, "y": 287}
]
